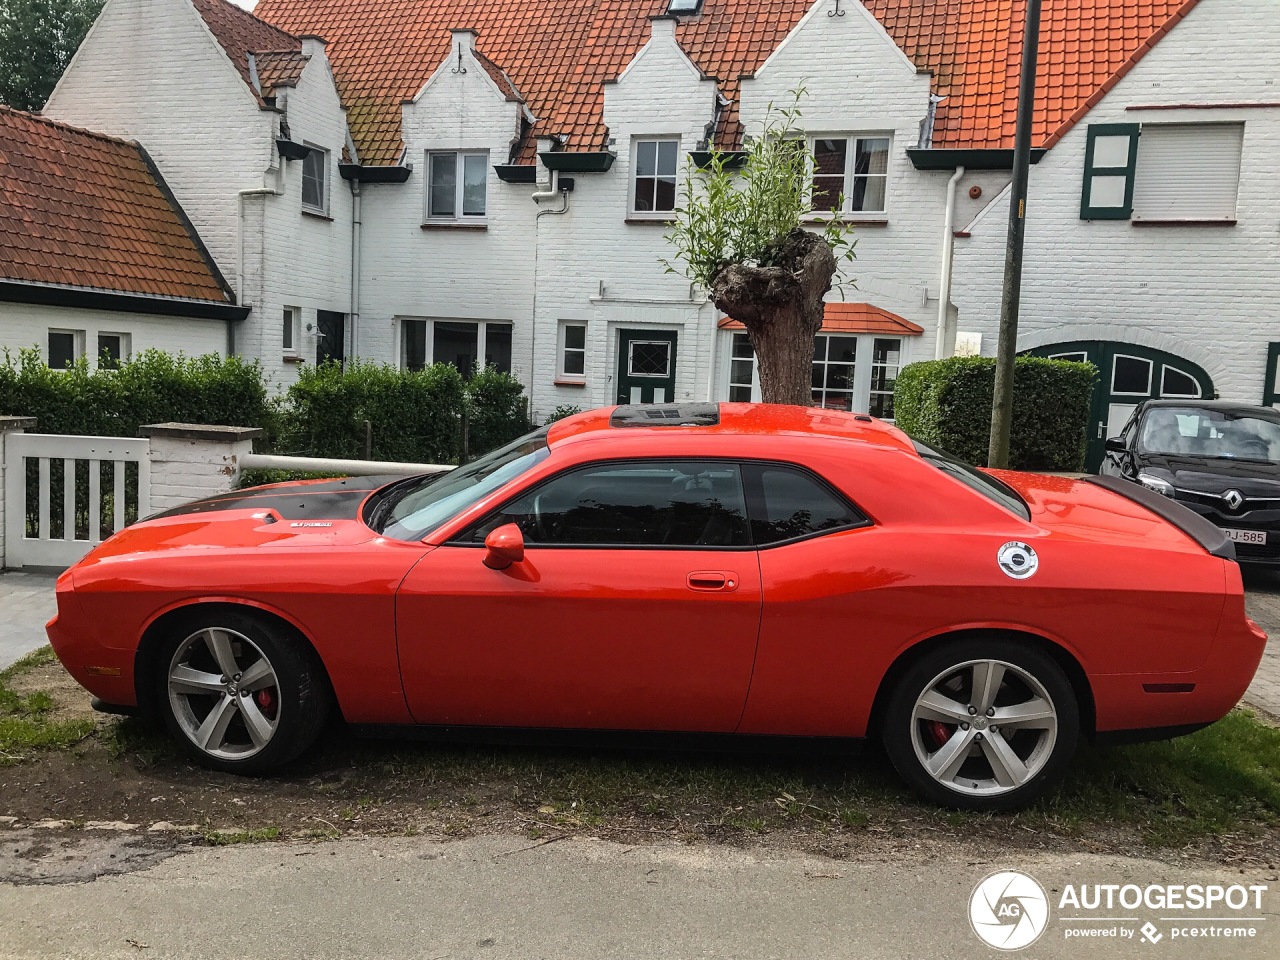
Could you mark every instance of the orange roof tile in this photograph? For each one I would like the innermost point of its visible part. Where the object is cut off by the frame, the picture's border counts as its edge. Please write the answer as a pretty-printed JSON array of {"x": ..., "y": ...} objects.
[
  {"x": 79, "y": 209},
  {"x": 240, "y": 33},
  {"x": 557, "y": 54},
  {"x": 854, "y": 318},
  {"x": 278, "y": 68}
]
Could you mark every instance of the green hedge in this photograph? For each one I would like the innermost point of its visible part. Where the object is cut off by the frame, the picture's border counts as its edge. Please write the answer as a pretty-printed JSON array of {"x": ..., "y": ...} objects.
[
  {"x": 947, "y": 403},
  {"x": 154, "y": 387}
]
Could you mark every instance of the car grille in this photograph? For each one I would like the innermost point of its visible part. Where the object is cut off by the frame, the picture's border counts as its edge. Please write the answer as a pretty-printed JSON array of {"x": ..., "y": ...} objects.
[{"x": 1258, "y": 551}]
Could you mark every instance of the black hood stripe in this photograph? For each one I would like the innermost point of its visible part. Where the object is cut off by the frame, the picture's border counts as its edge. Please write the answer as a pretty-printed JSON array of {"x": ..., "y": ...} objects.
[{"x": 331, "y": 500}]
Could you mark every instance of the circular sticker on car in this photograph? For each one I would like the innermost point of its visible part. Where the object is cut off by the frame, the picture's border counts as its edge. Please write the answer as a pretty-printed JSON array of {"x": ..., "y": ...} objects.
[{"x": 1017, "y": 559}]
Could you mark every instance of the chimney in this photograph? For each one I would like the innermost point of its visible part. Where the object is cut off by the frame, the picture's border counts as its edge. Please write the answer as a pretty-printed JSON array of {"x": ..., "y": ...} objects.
[
  {"x": 312, "y": 46},
  {"x": 464, "y": 37},
  {"x": 662, "y": 26}
]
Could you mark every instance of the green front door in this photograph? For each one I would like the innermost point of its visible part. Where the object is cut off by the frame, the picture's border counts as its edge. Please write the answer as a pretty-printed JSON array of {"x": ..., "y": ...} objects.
[
  {"x": 646, "y": 366},
  {"x": 1127, "y": 375}
]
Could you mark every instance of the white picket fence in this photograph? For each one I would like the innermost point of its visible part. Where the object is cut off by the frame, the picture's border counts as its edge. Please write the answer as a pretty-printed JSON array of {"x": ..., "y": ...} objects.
[{"x": 32, "y": 541}]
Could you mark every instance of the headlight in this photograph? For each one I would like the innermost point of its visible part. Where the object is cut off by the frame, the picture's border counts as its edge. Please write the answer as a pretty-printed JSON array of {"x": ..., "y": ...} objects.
[{"x": 1152, "y": 482}]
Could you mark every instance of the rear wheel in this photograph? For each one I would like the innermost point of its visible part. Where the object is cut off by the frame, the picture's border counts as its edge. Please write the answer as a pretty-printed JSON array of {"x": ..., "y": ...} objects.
[
  {"x": 240, "y": 694},
  {"x": 982, "y": 724}
]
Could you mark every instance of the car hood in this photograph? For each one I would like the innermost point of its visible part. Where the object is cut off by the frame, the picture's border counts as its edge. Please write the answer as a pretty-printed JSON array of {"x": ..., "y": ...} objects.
[
  {"x": 309, "y": 513},
  {"x": 1214, "y": 475}
]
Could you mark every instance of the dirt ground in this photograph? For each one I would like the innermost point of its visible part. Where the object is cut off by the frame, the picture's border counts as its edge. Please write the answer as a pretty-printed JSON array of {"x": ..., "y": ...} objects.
[{"x": 124, "y": 795}]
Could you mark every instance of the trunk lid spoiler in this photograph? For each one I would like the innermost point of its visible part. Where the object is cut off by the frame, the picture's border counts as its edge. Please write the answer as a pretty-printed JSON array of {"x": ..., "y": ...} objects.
[{"x": 1210, "y": 536}]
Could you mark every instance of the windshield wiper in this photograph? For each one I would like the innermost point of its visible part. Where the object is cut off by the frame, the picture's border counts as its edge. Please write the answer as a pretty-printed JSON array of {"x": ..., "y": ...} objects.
[{"x": 392, "y": 495}]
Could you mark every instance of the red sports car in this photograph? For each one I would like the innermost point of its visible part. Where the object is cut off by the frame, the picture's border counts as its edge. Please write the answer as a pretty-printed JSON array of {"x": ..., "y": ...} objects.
[{"x": 719, "y": 569}]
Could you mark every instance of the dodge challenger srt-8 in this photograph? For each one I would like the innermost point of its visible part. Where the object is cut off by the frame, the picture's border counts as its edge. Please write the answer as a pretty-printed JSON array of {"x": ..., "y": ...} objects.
[{"x": 727, "y": 570}]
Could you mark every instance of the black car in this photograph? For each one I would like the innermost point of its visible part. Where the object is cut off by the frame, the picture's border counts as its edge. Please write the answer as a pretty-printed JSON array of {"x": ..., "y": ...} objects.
[{"x": 1221, "y": 459}]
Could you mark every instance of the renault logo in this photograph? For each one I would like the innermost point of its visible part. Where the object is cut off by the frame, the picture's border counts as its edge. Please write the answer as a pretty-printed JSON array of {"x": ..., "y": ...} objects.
[{"x": 1233, "y": 498}]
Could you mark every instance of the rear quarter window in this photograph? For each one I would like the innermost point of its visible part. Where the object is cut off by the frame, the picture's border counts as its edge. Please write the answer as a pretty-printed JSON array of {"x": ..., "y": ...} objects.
[{"x": 787, "y": 503}]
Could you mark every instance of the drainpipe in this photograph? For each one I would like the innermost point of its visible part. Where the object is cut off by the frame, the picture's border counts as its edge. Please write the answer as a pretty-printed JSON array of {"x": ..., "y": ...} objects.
[
  {"x": 240, "y": 258},
  {"x": 550, "y": 193},
  {"x": 355, "y": 269},
  {"x": 539, "y": 196},
  {"x": 948, "y": 247}
]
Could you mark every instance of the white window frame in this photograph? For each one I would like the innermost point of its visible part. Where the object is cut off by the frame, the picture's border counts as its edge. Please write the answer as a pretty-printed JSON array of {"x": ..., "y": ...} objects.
[
  {"x": 563, "y": 350},
  {"x": 1144, "y": 204},
  {"x": 323, "y": 209},
  {"x": 482, "y": 333},
  {"x": 460, "y": 159},
  {"x": 850, "y": 163},
  {"x": 126, "y": 347},
  {"x": 632, "y": 212},
  {"x": 1151, "y": 368},
  {"x": 292, "y": 316},
  {"x": 77, "y": 346}
]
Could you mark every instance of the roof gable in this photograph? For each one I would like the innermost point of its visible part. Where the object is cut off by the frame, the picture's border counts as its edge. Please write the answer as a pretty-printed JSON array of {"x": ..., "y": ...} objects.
[
  {"x": 241, "y": 34},
  {"x": 82, "y": 210}
]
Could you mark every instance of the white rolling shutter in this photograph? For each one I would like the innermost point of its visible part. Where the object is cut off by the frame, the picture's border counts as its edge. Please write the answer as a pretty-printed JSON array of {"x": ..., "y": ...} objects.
[{"x": 1188, "y": 171}]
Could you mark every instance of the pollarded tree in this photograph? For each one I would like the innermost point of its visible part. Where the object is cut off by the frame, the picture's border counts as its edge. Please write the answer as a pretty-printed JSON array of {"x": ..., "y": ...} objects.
[
  {"x": 739, "y": 237},
  {"x": 37, "y": 40}
]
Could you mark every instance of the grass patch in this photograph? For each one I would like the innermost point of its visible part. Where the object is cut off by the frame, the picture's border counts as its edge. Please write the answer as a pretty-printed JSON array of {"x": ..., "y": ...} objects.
[
  {"x": 26, "y": 724},
  {"x": 226, "y": 838}
]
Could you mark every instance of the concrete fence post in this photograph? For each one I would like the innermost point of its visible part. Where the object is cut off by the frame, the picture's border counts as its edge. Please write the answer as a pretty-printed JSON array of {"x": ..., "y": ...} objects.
[
  {"x": 190, "y": 461},
  {"x": 8, "y": 427}
]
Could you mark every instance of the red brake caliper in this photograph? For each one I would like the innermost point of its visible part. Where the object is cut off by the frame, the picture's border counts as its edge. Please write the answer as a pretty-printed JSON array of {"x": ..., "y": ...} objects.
[
  {"x": 940, "y": 731},
  {"x": 266, "y": 700}
]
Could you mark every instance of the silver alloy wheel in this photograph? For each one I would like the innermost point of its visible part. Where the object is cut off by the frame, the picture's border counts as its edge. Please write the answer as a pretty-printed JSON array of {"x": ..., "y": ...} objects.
[
  {"x": 984, "y": 727},
  {"x": 224, "y": 693}
]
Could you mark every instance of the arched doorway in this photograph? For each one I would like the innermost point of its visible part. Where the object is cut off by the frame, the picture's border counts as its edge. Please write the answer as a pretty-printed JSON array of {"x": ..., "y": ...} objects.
[{"x": 1127, "y": 375}]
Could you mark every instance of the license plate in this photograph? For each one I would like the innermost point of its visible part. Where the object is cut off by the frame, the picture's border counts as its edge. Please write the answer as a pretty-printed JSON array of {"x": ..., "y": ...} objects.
[{"x": 1248, "y": 536}]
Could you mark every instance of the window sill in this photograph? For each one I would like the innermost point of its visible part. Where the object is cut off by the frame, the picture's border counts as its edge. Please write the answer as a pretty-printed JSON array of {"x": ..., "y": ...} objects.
[
  {"x": 872, "y": 220},
  {"x": 641, "y": 219},
  {"x": 454, "y": 225},
  {"x": 317, "y": 215},
  {"x": 569, "y": 383},
  {"x": 1189, "y": 222},
  {"x": 292, "y": 358}
]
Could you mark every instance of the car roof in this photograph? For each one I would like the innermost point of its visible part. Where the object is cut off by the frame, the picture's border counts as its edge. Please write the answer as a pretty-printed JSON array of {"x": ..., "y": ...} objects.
[
  {"x": 728, "y": 419},
  {"x": 1224, "y": 406}
]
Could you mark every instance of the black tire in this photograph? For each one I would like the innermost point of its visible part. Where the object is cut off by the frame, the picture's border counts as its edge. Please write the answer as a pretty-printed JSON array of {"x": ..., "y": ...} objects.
[
  {"x": 300, "y": 695},
  {"x": 944, "y": 668}
]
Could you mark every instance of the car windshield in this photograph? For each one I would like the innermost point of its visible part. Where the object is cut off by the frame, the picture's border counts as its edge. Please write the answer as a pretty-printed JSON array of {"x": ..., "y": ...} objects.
[
  {"x": 1206, "y": 432},
  {"x": 413, "y": 508},
  {"x": 975, "y": 479}
]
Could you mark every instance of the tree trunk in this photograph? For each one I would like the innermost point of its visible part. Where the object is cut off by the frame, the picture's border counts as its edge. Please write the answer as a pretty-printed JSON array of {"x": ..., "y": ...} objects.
[{"x": 781, "y": 306}]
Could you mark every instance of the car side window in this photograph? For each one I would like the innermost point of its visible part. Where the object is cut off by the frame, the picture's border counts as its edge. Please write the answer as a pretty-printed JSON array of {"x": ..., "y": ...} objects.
[
  {"x": 788, "y": 503},
  {"x": 654, "y": 503}
]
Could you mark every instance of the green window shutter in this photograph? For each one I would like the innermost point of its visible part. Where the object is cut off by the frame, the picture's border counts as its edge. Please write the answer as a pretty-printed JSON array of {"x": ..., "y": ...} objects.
[
  {"x": 1271, "y": 388},
  {"x": 1110, "y": 158}
]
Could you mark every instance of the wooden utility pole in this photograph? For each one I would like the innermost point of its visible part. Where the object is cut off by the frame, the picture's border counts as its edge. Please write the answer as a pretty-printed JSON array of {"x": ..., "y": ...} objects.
[{"x": 1002, "y": 399}]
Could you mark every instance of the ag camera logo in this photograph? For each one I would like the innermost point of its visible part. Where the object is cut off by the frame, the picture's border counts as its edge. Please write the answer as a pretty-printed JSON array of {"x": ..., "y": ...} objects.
[{"x": 1008, "y": 910}]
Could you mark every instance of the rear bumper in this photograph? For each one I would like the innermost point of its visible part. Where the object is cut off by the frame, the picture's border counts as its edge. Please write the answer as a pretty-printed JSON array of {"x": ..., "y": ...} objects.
[{"x": 1130, "y": 705}]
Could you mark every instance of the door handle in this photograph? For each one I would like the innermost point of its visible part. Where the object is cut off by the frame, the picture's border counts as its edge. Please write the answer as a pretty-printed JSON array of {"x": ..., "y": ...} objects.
[{"x": 708, "y": 580}]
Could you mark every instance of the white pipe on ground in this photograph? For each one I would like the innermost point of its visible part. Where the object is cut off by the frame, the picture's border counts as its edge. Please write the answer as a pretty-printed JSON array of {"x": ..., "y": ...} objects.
[{"x": 355, "y": 468}]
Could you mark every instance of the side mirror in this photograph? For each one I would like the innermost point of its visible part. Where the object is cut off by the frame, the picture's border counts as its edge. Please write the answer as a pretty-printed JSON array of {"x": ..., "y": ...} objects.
[
  {"x": 1116, "y": 445},
  {"x": 503, "y": 547}
]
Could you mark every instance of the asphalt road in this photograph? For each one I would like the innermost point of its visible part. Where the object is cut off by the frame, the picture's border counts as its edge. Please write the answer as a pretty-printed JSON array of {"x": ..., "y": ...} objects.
[{"x": 491, "y": 898}]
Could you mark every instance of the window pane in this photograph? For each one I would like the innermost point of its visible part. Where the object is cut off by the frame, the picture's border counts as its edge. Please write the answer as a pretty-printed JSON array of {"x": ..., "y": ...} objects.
[
  {"x": 413, "y": 344},
  {"x": 664, "y": 194},
  {"x": 644, "y": 194},
  {"x": 444, "y": 185},
  {"x": 1131, "y": 375},
  {"x": 742, "y": 346},
  {"x": 313, "y": 179},
  {"x": 739, "y": 394},
  {"x": 843, "y": 349},
  {"x": 649, "y": 358},
  {"x": 110, "y": 351},
  {"x": 286, "y": 339},
  {"x": 740, "y": 371},
  {"x": 575, "y": 362},
  {"x": 667, "y": 150},
  {"x": 646, "y": 158},
  {"x": 497, "y": 346},
  {"x": 1175, "y": 383},
  {"x": 474, "y": 171},
  {"x": 456, "y": 343},
  {"x": 575, "y": 336},
  {"x": 1111, "y": 152},
  {"x": 794, "y": 504},
  {"x": 657, "y": 503},
  {"x": 1107, "y": 191},
  {"x": 62, "y": 349},
  {"x": 871, "y": 164}
]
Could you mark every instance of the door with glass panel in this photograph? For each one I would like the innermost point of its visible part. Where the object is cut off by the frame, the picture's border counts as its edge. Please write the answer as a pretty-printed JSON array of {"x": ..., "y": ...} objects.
[
  {"x": 850, "y": 372},
  {"x": 1127, "y": 375},
  {"x": 646, "y": 366}
]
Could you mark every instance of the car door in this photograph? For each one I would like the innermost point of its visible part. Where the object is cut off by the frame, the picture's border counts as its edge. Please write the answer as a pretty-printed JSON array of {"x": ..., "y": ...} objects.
[{"x": 636, "y": 606}]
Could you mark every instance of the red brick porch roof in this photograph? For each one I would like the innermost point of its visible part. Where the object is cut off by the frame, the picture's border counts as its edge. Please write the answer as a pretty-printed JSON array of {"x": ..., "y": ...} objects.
[{"x": 854, "y": 318}]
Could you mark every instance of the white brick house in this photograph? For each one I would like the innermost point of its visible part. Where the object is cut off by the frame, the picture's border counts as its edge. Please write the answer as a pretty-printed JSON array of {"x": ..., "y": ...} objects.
[{"x": 509, "y": 178}]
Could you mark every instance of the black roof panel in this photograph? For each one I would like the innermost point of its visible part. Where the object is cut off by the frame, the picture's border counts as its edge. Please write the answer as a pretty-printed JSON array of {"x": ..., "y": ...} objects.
[{"x": 666, "y": 415}]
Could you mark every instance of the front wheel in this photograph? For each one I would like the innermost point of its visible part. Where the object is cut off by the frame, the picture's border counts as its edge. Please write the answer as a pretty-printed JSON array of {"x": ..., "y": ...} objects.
[
  {"x": 982, "y": 724},
  {"x": 241, "y": 695}
]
